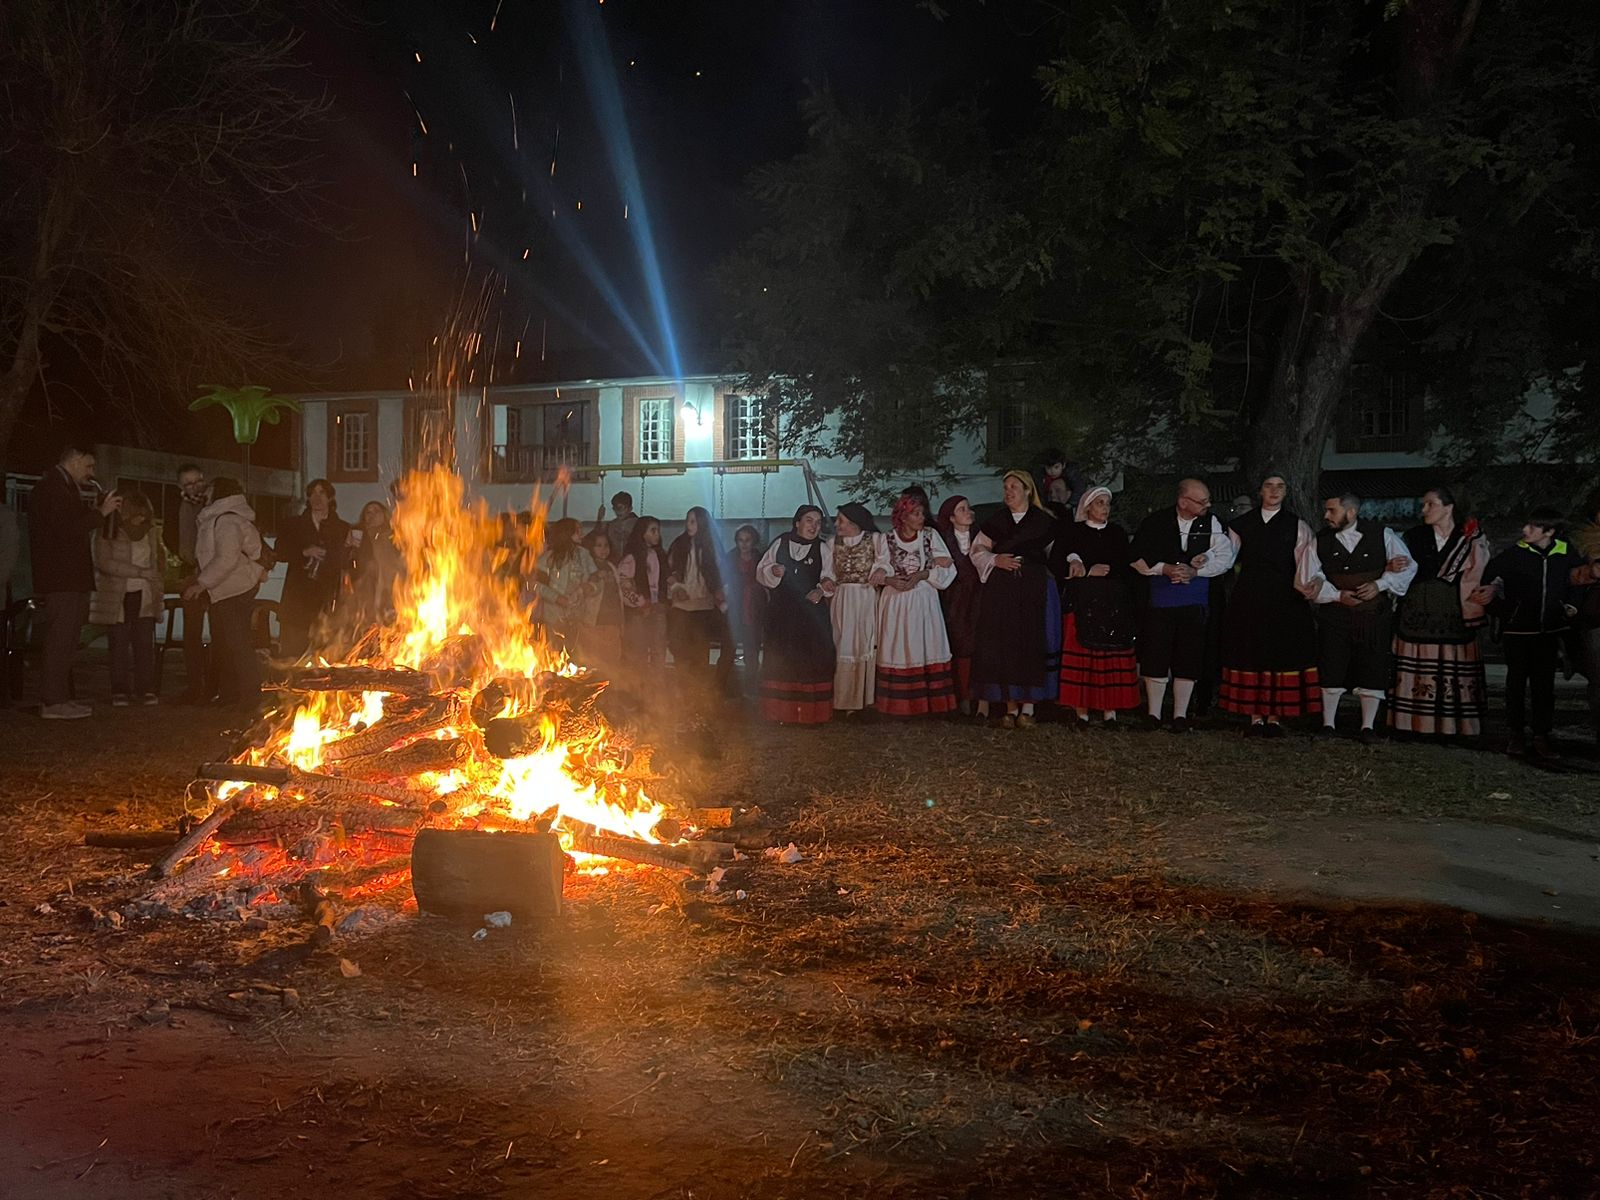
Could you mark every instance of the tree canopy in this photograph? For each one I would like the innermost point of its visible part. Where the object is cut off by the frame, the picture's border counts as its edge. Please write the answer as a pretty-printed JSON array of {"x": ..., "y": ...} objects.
[{"x": 1209, "y": 216}]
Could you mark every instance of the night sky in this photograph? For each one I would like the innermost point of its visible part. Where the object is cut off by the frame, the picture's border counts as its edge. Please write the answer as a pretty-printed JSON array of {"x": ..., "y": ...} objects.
[{"x": 709, "y": 90}]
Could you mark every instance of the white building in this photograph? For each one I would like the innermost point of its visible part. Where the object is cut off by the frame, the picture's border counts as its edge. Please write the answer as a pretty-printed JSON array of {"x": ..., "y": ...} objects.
[{"x": 671, "y": 444}]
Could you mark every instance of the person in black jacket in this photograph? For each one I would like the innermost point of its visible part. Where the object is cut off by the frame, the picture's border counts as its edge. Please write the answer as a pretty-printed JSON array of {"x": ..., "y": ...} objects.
[
  {"x": 1531, "y": 587},
  {"x": 59, "y": 525},
  {"x": 313, "y": 548}
]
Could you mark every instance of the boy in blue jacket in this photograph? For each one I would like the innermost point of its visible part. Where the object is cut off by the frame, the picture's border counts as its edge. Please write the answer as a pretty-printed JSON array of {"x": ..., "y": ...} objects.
[{"x": 1532, "y": 586}]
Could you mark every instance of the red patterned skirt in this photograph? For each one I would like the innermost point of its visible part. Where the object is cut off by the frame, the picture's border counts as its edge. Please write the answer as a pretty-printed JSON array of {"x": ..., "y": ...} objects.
[
  {"x": 915, "y": 691},
  {"x": 1095, "y": 680},
  {"x": 1271, "y": 693}
]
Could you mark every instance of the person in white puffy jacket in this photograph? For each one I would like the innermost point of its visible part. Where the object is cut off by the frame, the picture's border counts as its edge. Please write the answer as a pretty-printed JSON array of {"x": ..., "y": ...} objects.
[{"x": 228, "y": 548}]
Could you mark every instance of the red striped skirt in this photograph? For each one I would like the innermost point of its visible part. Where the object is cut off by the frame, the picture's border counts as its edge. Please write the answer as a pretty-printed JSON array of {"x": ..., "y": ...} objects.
[
  {"x": 1271, "y": 693},
  {"x": 1095, "y": 680},
  {"x": 915, "y": 691},
  {"x": 797, "y": 703}
]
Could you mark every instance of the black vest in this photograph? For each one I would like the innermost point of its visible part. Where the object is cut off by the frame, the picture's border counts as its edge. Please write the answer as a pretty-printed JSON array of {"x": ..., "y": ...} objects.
[
  {"x": 1349, "y": 569},
  {"x": 1267, "y": 546}
]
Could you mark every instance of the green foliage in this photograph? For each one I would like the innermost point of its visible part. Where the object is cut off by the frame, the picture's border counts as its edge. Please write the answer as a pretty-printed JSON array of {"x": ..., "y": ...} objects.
[
  {"x": 1210, "y": 207},
  {"x": 249, "y": 406}
]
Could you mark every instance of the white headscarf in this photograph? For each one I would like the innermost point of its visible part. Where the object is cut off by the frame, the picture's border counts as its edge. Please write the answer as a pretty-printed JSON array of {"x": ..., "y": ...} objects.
[{"x": 1087, "y": 498}]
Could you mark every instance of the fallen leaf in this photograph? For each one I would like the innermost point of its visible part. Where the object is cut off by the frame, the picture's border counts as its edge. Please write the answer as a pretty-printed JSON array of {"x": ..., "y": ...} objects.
[{"x": 348, "y": 969}]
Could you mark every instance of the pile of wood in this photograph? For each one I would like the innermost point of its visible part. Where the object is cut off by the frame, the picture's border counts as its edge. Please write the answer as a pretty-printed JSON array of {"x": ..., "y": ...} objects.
[{"x": 371, "y": 819}]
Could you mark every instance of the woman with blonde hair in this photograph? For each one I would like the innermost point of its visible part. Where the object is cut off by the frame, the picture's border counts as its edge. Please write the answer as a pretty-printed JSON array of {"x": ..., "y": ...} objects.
[{"x": 1016, "y": 657}]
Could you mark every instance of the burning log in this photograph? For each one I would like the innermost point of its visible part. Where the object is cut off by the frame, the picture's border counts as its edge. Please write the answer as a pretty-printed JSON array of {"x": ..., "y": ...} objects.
[
  {"x": 469, "y": 872},
  {"x": 428, "y": 754},
  {"x": 394, "y": 681},
  {"x": 456, "y": 661},
  {"x": 314, "y": 782},
  {"x": 192, "y": 841},
  {"x": 287, "y": 825},
  {"x": 591, "y": 841},
  {"x": 413, "y": 723}
]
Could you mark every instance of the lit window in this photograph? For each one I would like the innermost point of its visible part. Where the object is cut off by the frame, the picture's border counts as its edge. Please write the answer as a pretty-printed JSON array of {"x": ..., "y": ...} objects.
[
  {"x": 747, "y": 428},
  {"x": 655, "y": 429},
  {"x": 355, "y": 446}
]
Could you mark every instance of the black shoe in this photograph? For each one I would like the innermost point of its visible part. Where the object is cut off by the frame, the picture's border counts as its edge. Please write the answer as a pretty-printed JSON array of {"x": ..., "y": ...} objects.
[
  {"x": 1327, "y": 733},
  {"x": 1368, "y": 737},
  {"x": 1271, "y": 729},
  {"x": 1151, "y": 724},
  {"x": 1180, "y": 725},
  {"x": 1517, "y": 746},
  {"x": 1544, "y": 748}
]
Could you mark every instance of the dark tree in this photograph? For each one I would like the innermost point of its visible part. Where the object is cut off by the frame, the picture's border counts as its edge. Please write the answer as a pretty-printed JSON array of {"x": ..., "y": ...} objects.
[
  {"x": 1212, "y": 213},
  {"x": 138, "y": 138}
]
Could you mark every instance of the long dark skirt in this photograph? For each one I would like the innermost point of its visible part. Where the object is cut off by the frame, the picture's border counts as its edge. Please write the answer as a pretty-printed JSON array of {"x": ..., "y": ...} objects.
[
  {"x": 1016, "y": 655},
  {"x": 1269, "y": 650},
  {"x": 797, "y": 660}
]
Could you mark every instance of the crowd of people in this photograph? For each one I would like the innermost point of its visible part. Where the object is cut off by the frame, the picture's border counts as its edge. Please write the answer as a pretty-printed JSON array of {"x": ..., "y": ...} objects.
[{"x": 1048, "y": 606}]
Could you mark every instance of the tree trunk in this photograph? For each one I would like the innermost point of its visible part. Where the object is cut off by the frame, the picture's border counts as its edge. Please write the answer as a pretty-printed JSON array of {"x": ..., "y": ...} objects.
[{"x": 1316, "y": 350}]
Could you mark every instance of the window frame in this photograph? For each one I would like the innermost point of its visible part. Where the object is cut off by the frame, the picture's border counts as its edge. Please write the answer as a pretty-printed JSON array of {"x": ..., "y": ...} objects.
[
  {"x": 334, "y": 460},
  {"x": 541, "y": 467}
]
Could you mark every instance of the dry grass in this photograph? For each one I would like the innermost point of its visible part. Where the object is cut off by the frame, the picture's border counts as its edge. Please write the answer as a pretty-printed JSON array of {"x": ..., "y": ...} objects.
[{"x": 982, "y": 980}]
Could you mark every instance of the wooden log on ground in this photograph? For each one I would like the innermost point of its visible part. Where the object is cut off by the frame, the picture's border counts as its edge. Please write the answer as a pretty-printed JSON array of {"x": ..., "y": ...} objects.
[
  {"x": 630, "y": 850},
  {"x": 395, "y": 681},
  {"x": 286, "y": 824},
  {"x": 132, "y": 839},
  {"x": 470, "y": 872}
]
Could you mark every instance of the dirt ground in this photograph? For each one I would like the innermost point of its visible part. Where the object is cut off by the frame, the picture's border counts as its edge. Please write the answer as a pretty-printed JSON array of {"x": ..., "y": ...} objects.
[{"x": 1040, "y": 963}]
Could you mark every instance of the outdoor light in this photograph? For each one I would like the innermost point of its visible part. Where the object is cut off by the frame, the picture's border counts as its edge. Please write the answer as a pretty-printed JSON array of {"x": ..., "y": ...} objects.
[{"x": 691, "y": 413}]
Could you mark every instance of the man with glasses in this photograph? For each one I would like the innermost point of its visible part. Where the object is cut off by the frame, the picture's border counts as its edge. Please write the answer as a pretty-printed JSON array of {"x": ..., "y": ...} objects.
[
  {"x": 1179, "y": 551},
  {"x": 200, "y": 679}
]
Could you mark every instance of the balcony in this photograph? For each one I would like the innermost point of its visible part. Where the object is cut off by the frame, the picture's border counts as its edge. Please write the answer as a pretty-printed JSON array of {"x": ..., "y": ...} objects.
[{"x": 540, "y": 464}]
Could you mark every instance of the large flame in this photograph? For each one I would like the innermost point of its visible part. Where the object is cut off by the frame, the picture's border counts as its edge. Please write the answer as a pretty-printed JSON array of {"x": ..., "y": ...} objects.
[{"x": 463, "y": 577}]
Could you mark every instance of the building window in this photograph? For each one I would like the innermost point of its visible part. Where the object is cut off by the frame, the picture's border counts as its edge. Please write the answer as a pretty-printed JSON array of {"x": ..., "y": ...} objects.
[
  {"x": 1382, "y": 412},
  {"x": 430, "y": 438},
  {"x": 355, "y": 446},
  {"x": 352, "y": 442},
  {"x": 539, "y": 438},
  {"x": 1008, "y": 431},
  {"x": 749, "y": 429},
  {"x": 655, "y": 429}
]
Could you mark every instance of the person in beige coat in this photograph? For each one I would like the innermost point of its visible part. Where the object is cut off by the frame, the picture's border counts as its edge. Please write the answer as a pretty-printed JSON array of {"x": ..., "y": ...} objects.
[
  {"x": 228, "y": 547},
  {"x": 128, "y": 570}
]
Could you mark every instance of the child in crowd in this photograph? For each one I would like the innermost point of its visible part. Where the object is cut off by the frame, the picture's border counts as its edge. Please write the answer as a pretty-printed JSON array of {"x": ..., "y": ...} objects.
[
  {"x": 747, "y": 599},
  {"x": 600, "y": 636}
]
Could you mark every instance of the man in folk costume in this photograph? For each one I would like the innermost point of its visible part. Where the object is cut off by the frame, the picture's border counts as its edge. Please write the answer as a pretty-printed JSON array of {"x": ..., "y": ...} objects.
[
  {"x": 1269, "y": 642},
  {"x": 1361, "y": 569},
  {"x": 914, "y": 674},
  {"x": 1180, "y": 551}
]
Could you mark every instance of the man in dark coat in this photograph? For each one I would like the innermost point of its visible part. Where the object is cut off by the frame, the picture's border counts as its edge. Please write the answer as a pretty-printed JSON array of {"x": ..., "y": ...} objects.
[{"x": 59, "y": 525}]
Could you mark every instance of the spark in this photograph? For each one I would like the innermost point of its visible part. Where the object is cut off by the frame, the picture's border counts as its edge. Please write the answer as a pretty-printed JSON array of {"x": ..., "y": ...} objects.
[
  {"x": 472, "y": 39},
  {"x": 513, "y": 100},
  {"x": 496, "y": 16},
  {"x": 525, "y": 253},
  {"x": 580, "y": 205},
  {"x": 418, "y": 53},
  {"x": 624, "y": 212}
]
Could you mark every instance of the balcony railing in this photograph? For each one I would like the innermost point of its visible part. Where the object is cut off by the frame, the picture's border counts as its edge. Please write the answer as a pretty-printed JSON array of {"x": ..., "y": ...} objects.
[{"x": 517, "y": 463}]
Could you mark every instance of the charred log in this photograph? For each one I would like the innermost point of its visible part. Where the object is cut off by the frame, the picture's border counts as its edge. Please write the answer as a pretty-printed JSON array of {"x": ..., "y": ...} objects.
[
  {"x": 469, "y": 872},
  {"x": 397, "y": 681}
]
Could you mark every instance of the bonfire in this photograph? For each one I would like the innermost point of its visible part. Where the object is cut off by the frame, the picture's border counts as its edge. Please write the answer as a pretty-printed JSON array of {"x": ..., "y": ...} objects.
[{"x": 454, "y": 753}]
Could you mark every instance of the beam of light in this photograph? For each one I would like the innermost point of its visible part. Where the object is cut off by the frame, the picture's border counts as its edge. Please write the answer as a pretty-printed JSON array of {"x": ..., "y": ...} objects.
[{"x": 594, "y": 56}]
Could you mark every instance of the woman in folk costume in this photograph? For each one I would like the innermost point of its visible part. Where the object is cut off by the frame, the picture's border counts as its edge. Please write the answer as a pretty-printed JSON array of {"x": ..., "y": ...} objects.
[
  {"x": 1016, "y": 657},
  {"x": 1269, "y": 638},
  {"x": 1099, "y": 672},
  {"x": 960, "y": 599},
  {"x": 915, "y": 676},
  {"x": 1439, "y": 687},
  {"x": 797, "y": 663},
  {"x": 856, "y": 570}
]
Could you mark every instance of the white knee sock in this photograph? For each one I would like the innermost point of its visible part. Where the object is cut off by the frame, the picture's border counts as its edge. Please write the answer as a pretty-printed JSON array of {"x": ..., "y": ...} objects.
[
  {"x": 1155, "y": 691},
  {"x": 1027, "y": 710},
  {"x": 1110, "y": 716},
  {"x": 983, "y": 708},
  {"x": 1369, "y": 706},
  {"x": 1330, "y": 705},
  {"x": 1182, "y": 689}
]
